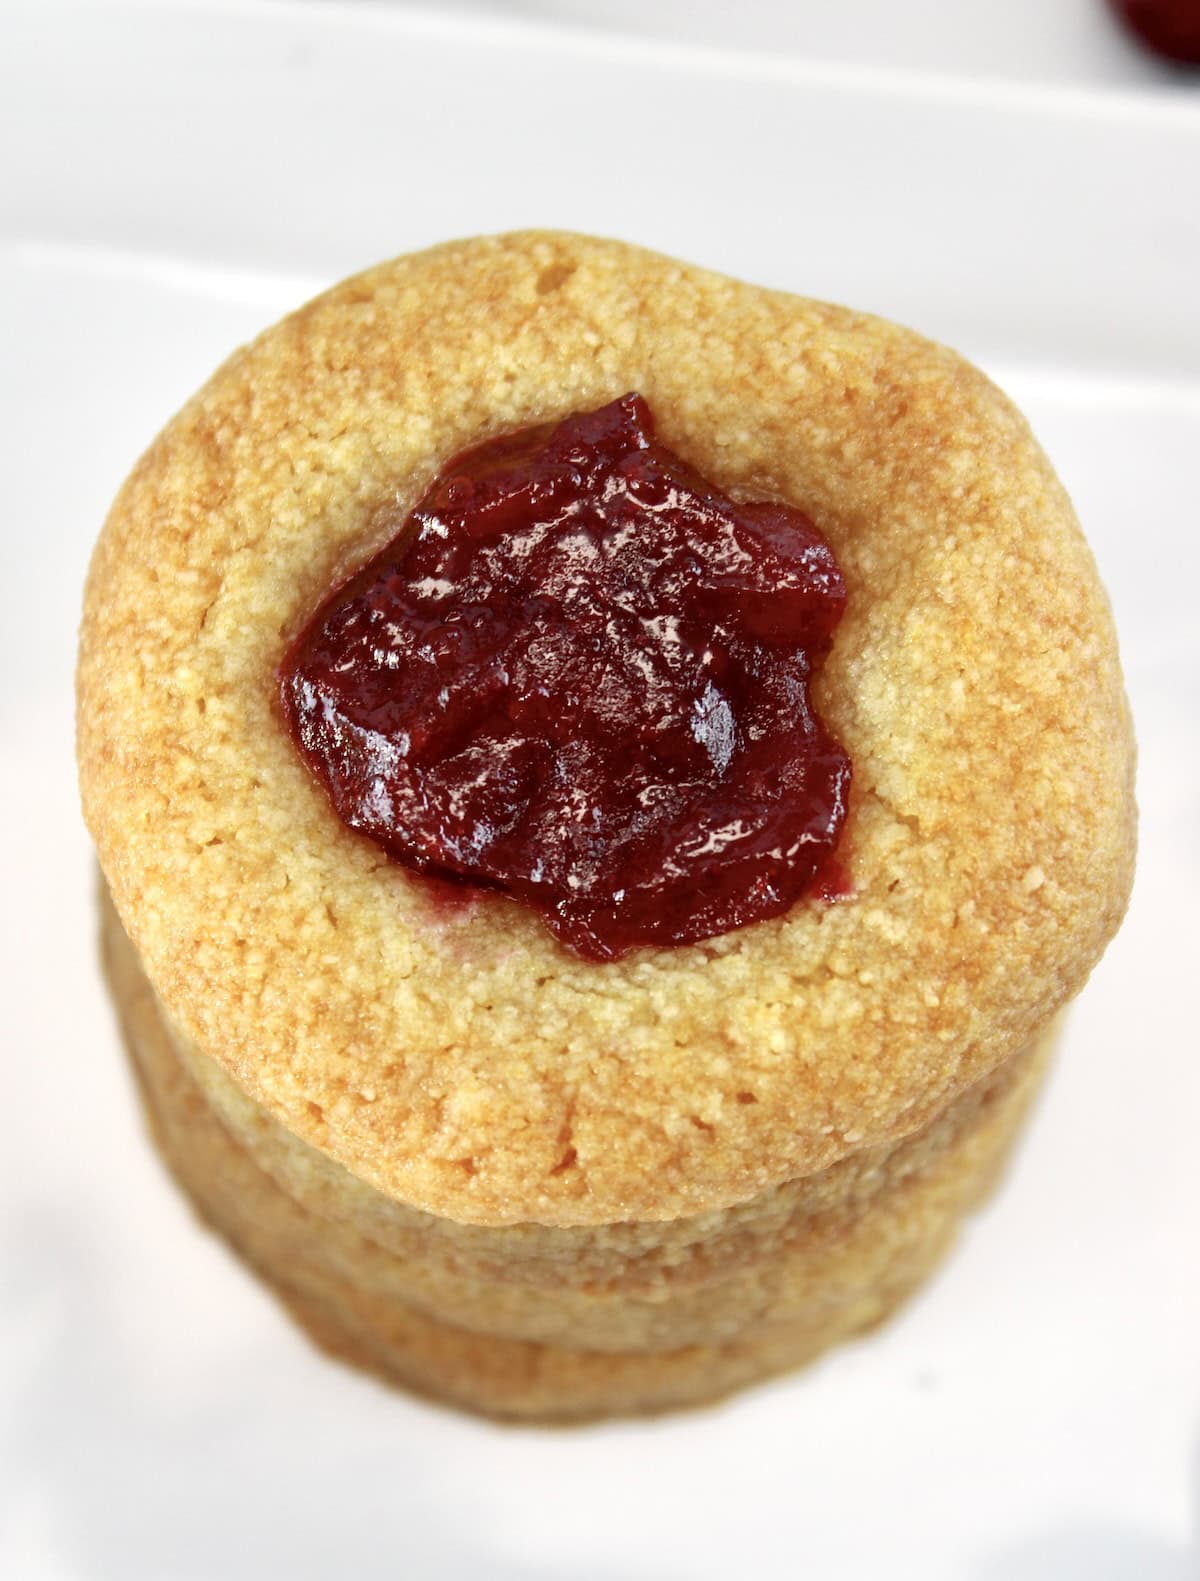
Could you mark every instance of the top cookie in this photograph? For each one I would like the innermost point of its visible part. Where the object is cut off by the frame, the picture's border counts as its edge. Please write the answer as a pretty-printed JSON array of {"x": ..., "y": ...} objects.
[{"x": 459, "y": 1058}]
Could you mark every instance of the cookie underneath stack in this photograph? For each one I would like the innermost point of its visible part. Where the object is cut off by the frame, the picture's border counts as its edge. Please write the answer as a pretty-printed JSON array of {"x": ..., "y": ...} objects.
[
  {"x": 555, "y": 1324},
  {"x": 530, "y": 1184}
]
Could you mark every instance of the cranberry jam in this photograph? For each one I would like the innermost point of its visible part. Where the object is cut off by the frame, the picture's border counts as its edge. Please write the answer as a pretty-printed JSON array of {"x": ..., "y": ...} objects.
[{"x": 580, "y": 675}]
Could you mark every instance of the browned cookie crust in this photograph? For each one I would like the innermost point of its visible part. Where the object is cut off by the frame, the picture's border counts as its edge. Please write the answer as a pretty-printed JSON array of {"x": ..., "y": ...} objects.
[
  {"x": 522, "y": 1136},
  {"x": 584, "y": 1336}
]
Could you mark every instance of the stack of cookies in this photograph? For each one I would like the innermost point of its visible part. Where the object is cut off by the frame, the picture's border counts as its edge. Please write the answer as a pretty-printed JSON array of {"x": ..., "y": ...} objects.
[{"x": 537, "y": 1185}]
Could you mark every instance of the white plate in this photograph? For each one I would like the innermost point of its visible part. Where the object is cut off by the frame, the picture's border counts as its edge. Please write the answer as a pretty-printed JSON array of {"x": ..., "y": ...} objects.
[{"x": 185, "y": 173}]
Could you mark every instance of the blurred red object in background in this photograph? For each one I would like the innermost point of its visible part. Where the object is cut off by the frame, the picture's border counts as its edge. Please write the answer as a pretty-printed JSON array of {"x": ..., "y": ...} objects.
[{"x": 1170, "y": 28}]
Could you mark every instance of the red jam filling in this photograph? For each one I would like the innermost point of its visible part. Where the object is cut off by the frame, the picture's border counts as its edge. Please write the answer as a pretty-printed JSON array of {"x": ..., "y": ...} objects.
[
  {"x": 579, "y": 675},
  {"x": 1169, "y": 27}
]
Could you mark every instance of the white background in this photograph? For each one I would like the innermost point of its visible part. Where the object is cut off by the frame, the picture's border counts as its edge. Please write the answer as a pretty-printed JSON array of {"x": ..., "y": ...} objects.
[
  {"x": 1041, "y": 41},
  {"x": 173, "y": 177}
]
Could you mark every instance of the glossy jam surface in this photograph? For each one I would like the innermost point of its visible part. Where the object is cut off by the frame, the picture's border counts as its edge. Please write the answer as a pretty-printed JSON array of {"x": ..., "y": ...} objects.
[{"x": 579, "y": 675}]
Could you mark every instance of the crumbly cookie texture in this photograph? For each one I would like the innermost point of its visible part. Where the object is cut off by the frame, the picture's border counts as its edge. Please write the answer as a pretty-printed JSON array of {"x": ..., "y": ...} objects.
[
  {"x": 451, "y": 1313},
  {"x": 460, "y": 1061}
]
